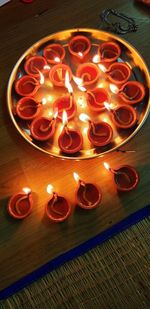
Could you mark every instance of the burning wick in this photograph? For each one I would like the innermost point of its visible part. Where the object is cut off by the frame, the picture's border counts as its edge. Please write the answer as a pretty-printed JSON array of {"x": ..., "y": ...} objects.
[
  {"x": 70, "y": 89},
  {"x": 27, "y": 192},
  {"x": 53, "y": 199},
  {"x": 114, "y": 89},
  {"x": 80, "y": 54},
  {"x": 65, "y": 121},
  {"x": 82, "y": 183},
  {"x": 116, "y": 172},
  {"x": 85, "y": 118},
  {"x": 45, "y": 129}
]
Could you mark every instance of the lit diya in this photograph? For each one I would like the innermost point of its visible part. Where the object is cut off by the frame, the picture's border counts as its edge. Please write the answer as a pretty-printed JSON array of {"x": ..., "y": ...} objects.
[
  {"x": 79, "y": 46},
  {"x": 57, "y": 74},
  {"x": 88, "y": 196},
  {"x": 70, "y": 141},
  {"x": 34, "y": 65},
  {"x": 88, "y": 72},
  {"x": 67, "y": 102},
  {"x": 20, "y": 204},
  {"x": 131, "y": 92},
  {"x": 124, "y": 116},
  {"x": 117, "y": 72},
  {"x": 54, "y": 53},
  {"x": 57, "y": 209},
  {"x": 96, "y": 99},
  {"x": 126, "y": 177},
  {"x": 27, "y": 108},
  {"x": 27, "y": 86},
  {"x": 43, "y": 128},
  {"x": 109, "y": 52},
  {"x": 99, "y": 133}
]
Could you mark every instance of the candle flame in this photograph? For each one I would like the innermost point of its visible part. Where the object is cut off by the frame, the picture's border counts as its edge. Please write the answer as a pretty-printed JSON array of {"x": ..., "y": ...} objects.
[
  {"x": 78, "y": 80},
  {"x": 26, "y": 190},
  {"x": 55, "y": 114},
  {"x": 80, "y": 54},
  {"x": 107, "y": 105},
  {"x": 76, "y": 177},
  {"x": 64, "y": 118},
  {"x": 113, "y": 88},
  {"x": 44, "y": 101},
  {"x": 82, "y": 88},
  {"x": 102, "y": 68},
  {"x": 67, "y": 82},
  {"x": 42, "y": 79},
  {"x": 57, "y": 59},
  {"x": 49, "y": 189},
  {"x": 96, "y": 58},
  {"x": 46, "y": 67},
  {"x": 106, "y": 165},
  {"x": 83, "y": 117}
]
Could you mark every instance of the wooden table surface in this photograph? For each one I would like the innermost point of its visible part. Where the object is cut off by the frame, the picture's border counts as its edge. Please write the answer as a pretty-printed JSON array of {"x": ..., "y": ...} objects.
[{"x": 26, "y": 245}]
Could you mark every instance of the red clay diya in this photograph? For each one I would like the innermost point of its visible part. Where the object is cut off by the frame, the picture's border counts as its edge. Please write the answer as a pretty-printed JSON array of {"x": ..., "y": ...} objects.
[
  {"x": 20, "y": 204},
  {"x": 57, "y": 74},
  {"x": 124, "y": 116},
  {"x": 88, "y": 72},
  {"x": 96, "y": 99},
  {"x": 79, "y": 46},
  {"x": 66, "y": 103},
  {"x": 70, "y": 141},
  {"x": 109, "y": 51},
  {"x": 100, "y": 133},
  {"x": 43, "y": 128},
  {"x": 27, "y": 108},
  {"x": 57, "y": 209},
  {"x": 54, "y": 53},
  {"x": 88, "y": 195},
  {"x": 126, "y": 177},
  {"x": 132, "y": 92},
  {"x": 118, "y": 73},
  {"x": 35, "y": 64},
  {"x": 27, "y": 86}
]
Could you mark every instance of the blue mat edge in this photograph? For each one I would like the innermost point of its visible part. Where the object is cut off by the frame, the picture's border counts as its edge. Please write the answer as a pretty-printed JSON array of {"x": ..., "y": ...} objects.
[{"x": 75, "y": 252}]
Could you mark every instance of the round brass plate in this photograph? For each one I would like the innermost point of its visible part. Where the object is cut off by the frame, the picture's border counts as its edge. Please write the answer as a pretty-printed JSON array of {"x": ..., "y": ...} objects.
[{"x": 128, "y": 55}]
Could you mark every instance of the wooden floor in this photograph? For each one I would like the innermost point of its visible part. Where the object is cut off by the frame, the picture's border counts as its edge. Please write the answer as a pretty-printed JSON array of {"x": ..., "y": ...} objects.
[{"x": 24, "y": 246}]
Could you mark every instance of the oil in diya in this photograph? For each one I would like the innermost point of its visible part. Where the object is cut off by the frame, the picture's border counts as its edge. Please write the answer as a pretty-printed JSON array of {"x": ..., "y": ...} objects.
[
  {"x": 108, "y": 52},
  {"x": 20, "y": 204},
  {"x": 27, "y": 86},
  {"x": 89, "y": 73},
  {"x": 43, "y": 128},
  {"x": 34, "y": 65},
  {"x": 132, "y": 92},
  {"x": 123, "y": 116},
  {"x": 66, "y": 102},
  {"x": 88, "y": 195},
  {"x": 57, "y": 209},
  {"x": 99, "y": 133},
  {"x": 70, "y": 141},
  {"x": 57, "y": 74},
  {"x": 54, "y": 53},
  {"x": 126, "y": 177}
]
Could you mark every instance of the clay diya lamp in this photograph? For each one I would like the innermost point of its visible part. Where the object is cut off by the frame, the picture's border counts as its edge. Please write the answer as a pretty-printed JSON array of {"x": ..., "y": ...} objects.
[
  {"x": 79, "y": 46},
  {"x": 88, "y": 195},
  {"x": 20, "y": 204},
  {"x": 99, "y": 133},
  {"x": 70, "y": 140},
  {"x": 131, "y": 92},
  {"x": 66, "y": 103},
  {"x": 96, "y": 99},
  {"x": 57, "y": 74},
  {"x": 109, "y": 52},
  {"x": 126, "y": 177},
  {"x": 88, "y": 72},
  {"x": 123, "y": 116},
  {"x": 54, "y": 53},
  {"x": 27, "y": 108},
  {"x": 57, "y": 209},
  {"x": 43, "y": 128},
  {"x": 27, "y": 86},
  {"x": 117, "y": 73},
  {"x": 34, "y": 65}
]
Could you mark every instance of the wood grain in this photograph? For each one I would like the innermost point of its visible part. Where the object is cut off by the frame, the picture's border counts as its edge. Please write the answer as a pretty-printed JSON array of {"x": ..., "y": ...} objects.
[{"x": 26, "y": 245}]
